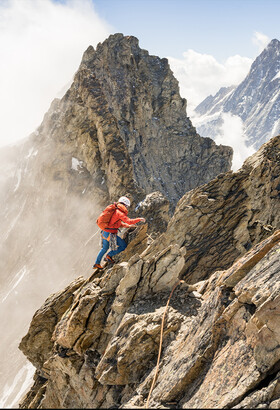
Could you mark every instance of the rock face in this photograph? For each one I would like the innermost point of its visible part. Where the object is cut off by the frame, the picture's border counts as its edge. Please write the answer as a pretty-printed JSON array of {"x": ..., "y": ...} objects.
[
  {"x": 95, "y": 345},
  {"x": 125, "y": 124},
  {"x": 255, "y": 100},
  {"x": 221, "y": 220},
  {"x": 143, "y": 97},
  {"x": 120, "y": 129}
]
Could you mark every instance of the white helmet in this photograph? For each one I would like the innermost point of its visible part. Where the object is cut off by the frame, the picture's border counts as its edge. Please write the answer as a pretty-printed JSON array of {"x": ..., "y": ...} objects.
[{"x": 124, "y": 200}]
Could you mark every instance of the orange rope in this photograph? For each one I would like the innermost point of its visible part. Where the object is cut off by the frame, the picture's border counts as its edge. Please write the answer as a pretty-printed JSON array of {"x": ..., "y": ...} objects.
[{"x": 160, "y": 343}]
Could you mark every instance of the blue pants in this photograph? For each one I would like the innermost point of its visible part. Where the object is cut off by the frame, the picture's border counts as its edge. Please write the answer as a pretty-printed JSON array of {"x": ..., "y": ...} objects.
[{"x": 105, "y": 246}]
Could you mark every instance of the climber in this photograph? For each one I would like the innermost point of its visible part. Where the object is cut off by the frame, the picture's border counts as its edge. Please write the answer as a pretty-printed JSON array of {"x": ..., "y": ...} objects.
[{"x": 112, "y": 218}]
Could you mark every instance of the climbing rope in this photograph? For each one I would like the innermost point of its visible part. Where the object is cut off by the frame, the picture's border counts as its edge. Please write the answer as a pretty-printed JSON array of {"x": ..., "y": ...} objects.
[
  {"x": 98, "y": 230},
  {"x": 149, "y": 236},
  {"x": 160, "y": 343}
]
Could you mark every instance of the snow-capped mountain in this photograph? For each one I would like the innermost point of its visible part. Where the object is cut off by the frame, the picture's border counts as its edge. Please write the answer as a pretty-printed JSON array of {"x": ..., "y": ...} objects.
[{"x": 256, "y": 101}]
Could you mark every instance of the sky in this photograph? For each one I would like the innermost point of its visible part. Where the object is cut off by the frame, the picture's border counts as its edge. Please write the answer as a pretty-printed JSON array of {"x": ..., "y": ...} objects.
[
  {"x": 221, "y": 28},
  {"x": 209, "y": 44}
]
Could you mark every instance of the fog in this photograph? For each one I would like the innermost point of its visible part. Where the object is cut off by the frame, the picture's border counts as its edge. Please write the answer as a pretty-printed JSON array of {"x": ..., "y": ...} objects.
[
  {"x": 41, "y": 43},
  {"x": 232, "y": 134},
  {"x": 47, "y": 240},
  {"x": 48, "y": 223},
  {"x": 45, "y": 225},
  {"x": 201, "y": 75}
]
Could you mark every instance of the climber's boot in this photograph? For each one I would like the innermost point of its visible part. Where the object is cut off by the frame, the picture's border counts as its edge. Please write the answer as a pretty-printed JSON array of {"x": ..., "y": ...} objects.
[
  {"x": 109, "y": 259},
  {"x": 97, "y": 266}
]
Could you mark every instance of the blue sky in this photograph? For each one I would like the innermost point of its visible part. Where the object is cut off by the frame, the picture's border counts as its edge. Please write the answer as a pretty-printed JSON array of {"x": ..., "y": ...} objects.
[
  {"x": 208, "y": 43},
  {"x": 218, "y": 27}
]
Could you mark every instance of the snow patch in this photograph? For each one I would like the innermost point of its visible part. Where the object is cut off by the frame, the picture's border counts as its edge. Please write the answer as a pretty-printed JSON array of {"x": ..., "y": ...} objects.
[
  {"x": 232, "y": 134},
  {"x": 76, "y": 164},
  {"x": 225, "y": 97},
  {"x": 276, "y": 76},
  {"x": 274, "y": 98},
  {"x": 18, "y": 175},
  {"x": 198, "y": 121},
  {"x": 14, "y": 221},
  {"x": 31, "y": 153},
  {"x": 24, "y": 379},
  {"x": 18, "y": 277},
  {"x": 276, "y": 128}
]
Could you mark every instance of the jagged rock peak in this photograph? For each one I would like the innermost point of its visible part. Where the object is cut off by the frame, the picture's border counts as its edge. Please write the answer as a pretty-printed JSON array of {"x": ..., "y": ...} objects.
[
  {"x": 266, "y": 65},
  {"x": 114, "y": 40},
  {"x": 274, "y": 44},
  {"x": 256, "y": 101},
  {"x": 142, "y": 95}
]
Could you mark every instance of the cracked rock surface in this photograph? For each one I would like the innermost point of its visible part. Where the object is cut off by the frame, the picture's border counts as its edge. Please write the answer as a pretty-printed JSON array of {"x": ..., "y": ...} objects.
[
  {"x": 219, "y": 221},
  {"x": 120, "y": 129},
  {"x": 96, "y": 343}
]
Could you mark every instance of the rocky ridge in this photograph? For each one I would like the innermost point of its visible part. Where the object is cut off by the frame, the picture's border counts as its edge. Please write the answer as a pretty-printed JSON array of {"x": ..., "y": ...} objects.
[
  {"x": 143, "y": 97},
  {"x": 95, "y": 344},
  {"x": 120, "y": 127},
  {"x": 220, "y": 221},
  {"x": 124, "y": 122}
]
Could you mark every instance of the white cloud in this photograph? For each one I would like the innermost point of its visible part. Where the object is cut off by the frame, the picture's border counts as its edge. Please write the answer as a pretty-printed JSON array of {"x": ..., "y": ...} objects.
[
  {"x": 200, "y": 75},
  {"x": 260, "y": 40},
  {"x": 41, "y": 46},
  {"x": 232, "y": 134}
]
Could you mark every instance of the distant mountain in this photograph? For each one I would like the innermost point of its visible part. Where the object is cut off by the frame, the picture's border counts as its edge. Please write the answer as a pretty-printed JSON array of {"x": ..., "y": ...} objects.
[{"x": 256, "y": 101}]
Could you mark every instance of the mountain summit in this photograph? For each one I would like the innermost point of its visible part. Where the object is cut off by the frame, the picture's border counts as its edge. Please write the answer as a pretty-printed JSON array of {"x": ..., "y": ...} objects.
[
  {"x": 141, "y": 95},
  {"x": 256, "y": 101}
]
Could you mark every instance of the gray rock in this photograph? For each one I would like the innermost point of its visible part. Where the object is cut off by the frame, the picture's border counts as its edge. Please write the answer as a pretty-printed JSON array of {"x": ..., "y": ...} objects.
[{"x": 220, "y": 344}]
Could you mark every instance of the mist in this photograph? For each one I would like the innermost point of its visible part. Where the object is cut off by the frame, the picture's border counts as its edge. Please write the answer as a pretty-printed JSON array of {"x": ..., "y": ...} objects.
[
  {"x": 48, "y": 239},
  {"x": 41, "y": 45},
  {"x": 46, "y": 226},
  {"x": 232, "y": 134},
  {"x": 201, "y": 75},
  {"x": 48, "y": 203}
]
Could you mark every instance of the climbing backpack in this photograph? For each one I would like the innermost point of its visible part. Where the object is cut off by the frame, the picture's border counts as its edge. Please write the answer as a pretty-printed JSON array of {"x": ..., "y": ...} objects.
[{"x": 104, "y": 218}]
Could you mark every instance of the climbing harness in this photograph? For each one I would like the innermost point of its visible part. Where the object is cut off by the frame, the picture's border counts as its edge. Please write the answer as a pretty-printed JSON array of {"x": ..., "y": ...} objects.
[
  {"x": 111, "y": 238},
  {"x": 160, "y": 343},
  {"x": 113, "y": 241}
]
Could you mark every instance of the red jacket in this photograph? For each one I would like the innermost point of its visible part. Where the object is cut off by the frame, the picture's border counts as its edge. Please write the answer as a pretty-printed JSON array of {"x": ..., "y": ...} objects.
[{"x": 118, "y": 217}]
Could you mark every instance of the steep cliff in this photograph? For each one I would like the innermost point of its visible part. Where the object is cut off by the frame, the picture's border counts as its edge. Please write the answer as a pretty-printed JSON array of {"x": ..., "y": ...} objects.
[
  {"x": 120, "y": 129},
  {"x": 96, "y": 343},
  {"x": 124, "y": 121},
  {"x": 221, "y": 220},
  {"x": 143, "y": 97}
]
